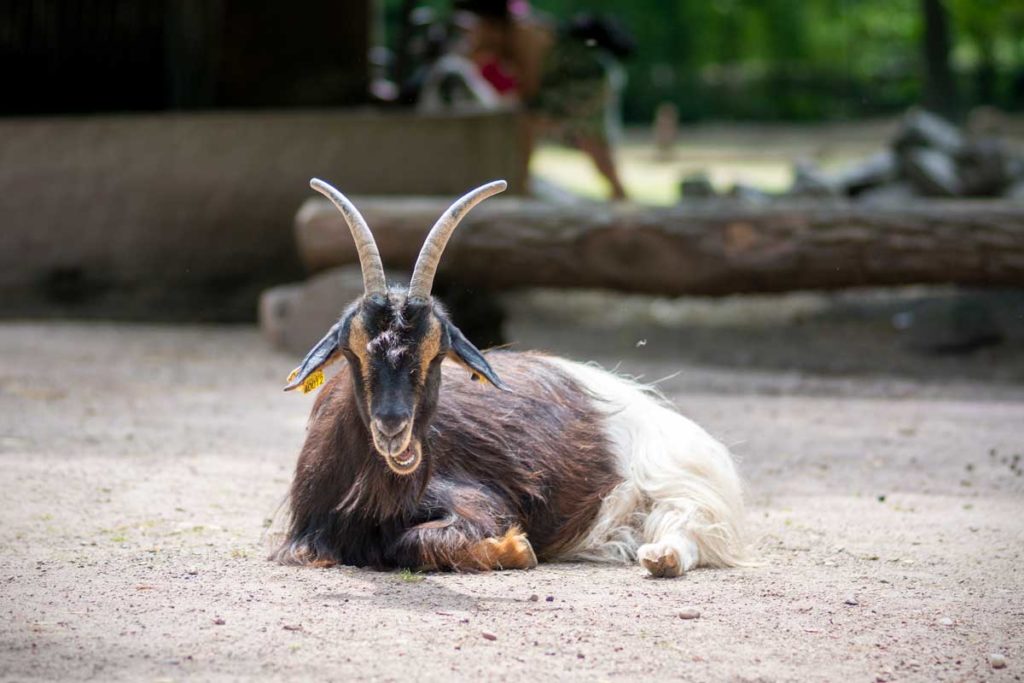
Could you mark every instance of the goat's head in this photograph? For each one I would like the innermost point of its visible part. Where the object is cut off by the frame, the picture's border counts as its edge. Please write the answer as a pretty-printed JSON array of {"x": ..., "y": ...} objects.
[{"x": 394, "y": 339}]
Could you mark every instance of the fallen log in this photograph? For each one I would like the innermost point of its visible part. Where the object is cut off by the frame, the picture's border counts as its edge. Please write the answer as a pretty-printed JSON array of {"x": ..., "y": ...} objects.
[{"x": 705, "y": 248}]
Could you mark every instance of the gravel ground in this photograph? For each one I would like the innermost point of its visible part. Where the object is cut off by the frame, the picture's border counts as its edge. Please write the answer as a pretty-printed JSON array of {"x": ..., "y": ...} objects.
[{"x": 141, "y": 465}]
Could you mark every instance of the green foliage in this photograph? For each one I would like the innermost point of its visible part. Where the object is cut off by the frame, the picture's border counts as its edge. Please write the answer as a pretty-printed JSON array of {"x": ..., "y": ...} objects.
[
  {"x": 767, "y": 59},
  {"x": 801, "y": 59}
]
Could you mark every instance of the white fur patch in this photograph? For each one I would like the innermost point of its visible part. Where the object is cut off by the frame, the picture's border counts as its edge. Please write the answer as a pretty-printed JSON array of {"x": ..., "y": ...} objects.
[{"x": 680, "y": 486}]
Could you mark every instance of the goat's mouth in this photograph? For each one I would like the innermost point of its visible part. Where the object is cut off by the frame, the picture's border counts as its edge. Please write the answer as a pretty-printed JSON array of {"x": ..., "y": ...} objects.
[
  {"x": 402, "y": 453},
  {"x": 406, "y": 461}
]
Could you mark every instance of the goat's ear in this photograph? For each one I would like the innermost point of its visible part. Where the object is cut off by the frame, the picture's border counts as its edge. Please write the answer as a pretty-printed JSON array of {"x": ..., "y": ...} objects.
[
  {"x": 465, "y": 354},
  {"x": 309, "y": 375}
]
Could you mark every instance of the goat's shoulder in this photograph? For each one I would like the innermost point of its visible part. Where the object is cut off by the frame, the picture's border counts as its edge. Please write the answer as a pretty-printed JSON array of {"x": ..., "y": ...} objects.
[
  {"x": 542, "y": 408},
  {"x": 528, "y": 375}
]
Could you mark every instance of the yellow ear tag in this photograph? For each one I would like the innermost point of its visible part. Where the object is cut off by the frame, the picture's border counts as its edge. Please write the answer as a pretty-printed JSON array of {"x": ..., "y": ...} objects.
[{"x": 313, "y": 382}]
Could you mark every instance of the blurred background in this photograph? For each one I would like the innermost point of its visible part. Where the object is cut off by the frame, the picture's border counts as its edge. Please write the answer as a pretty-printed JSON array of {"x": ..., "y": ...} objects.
[{"x": 859, "y": 161}]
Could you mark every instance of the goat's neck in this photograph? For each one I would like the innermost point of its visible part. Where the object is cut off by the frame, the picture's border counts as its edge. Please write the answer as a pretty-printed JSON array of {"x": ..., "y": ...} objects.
[{"x": 373, "y": 489}]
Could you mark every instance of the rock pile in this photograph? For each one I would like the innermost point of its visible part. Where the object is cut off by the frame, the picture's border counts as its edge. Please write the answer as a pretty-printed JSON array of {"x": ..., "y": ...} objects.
[{"x": 927, "y": 157}]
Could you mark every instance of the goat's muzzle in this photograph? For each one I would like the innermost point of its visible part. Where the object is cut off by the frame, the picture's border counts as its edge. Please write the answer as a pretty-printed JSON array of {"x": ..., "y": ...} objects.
[{"x": 400, "y": 451}]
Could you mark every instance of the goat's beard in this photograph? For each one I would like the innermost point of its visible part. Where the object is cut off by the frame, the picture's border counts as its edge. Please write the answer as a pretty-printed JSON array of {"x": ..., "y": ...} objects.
[{"x": 402, "y": 454}]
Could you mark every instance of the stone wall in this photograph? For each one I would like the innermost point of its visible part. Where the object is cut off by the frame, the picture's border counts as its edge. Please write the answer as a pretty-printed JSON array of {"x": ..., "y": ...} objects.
[{"x": 189, "y": 216}]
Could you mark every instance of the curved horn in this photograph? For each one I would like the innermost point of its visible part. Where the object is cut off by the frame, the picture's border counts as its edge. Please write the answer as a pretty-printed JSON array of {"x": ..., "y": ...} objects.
[
  {"x": 433, "y": 246},
  {"x": 369, "y": 258}
]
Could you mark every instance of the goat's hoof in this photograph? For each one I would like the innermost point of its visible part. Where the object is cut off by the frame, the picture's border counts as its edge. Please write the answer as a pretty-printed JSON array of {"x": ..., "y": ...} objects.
[
  {"x": 660, "y": 559},
  {"x": 512, "y": 551}
]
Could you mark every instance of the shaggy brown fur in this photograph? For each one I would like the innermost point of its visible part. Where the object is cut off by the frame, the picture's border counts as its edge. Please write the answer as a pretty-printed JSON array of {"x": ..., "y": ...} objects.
[{"x": 494, "y": 462}]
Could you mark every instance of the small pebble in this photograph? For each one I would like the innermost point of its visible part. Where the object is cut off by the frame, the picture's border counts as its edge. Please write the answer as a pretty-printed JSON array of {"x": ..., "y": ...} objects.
[
  {"x": 851, "y": 601},
  {"x": 534, "y": 598},
  {"x": 489, "y": 636},
  {"x": 946, "y": 621},
  {"x": 219, "y": 622},
  {"x": 997, "y": 660},
  {"x": 689, "y": 613},
  {"x": 550, "y": 598}
]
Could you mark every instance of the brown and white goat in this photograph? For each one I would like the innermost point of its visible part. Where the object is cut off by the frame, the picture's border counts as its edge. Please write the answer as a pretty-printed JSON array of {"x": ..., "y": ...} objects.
[{"x": 543, "y": 459}]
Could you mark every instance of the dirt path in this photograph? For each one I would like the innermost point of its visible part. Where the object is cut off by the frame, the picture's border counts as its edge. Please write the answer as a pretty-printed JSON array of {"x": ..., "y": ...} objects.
[{"x": 139, "y": 466}]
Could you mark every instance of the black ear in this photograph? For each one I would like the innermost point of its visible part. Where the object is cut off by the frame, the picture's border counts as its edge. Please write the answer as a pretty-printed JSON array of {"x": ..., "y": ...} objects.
[
  {"x": 464, "y": 353},
  {"x": 324, "y": 352}
]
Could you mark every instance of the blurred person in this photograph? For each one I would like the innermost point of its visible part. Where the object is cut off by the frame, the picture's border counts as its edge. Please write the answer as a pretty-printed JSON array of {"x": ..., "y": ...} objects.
[
  {"x": 563, "y": 76},
  {"x": 442, "y": 78}
]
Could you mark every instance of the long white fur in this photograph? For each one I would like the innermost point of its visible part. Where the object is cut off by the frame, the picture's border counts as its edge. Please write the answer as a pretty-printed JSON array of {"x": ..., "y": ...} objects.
[{"x": 680, "y": 490}]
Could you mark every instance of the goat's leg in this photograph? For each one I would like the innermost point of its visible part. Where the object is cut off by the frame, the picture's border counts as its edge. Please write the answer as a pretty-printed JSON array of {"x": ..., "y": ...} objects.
[
  {"x": 512, "y": 550},
  {"x": 670, "y": 549},
  {"x": 461, "y": 545},
  {"x": 670, "y": 556}
]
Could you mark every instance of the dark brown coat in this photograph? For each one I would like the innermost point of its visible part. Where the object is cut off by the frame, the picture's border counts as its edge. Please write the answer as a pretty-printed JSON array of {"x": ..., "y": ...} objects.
[{"x": 533, "y": 457}]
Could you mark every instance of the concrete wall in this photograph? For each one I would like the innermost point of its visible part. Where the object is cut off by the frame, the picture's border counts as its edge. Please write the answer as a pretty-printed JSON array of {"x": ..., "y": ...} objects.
[{"x": 189, "y": 215}]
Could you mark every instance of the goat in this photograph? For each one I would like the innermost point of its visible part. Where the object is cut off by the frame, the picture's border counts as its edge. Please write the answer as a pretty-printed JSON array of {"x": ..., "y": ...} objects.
[{"x": 541, "y": 459}]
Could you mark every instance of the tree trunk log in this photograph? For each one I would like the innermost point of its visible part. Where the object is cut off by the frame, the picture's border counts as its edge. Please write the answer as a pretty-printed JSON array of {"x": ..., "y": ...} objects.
[{"x": 707, "y": 249}]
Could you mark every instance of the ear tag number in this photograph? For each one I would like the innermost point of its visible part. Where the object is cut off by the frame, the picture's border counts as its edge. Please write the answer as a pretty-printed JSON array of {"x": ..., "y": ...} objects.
[{"x": 313, "y": 382}]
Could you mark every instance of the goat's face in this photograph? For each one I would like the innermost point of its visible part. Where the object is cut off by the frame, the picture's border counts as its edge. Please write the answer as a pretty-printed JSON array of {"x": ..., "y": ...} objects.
[
  {"x": 394, "y": 348},
  {"x": 394, "y": 341}
]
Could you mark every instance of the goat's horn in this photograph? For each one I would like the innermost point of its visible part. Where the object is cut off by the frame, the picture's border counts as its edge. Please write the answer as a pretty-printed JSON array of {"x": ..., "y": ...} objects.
[
  {"x": 433, "y": 247},
  {"x": 369, "y": 258}
]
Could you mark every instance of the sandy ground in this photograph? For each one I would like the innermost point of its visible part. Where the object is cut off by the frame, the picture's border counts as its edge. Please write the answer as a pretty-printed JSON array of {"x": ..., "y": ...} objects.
[{"x": 140, "y": 465}]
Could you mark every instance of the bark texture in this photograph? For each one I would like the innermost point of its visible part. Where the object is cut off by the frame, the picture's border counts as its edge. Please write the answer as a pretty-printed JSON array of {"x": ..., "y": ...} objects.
[{"x": 710, "y": 249}]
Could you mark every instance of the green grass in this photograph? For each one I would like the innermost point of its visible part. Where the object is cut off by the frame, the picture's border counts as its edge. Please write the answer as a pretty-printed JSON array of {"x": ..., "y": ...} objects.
[
  {"x": 757, "y": 155},
  {"x": 409, "y": 576},
  {"x": 649, "y": 180}
]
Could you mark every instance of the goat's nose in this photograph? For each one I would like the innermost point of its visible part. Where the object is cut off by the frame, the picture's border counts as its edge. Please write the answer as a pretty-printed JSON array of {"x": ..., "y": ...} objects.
[{"x": 391, "y": 425}]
